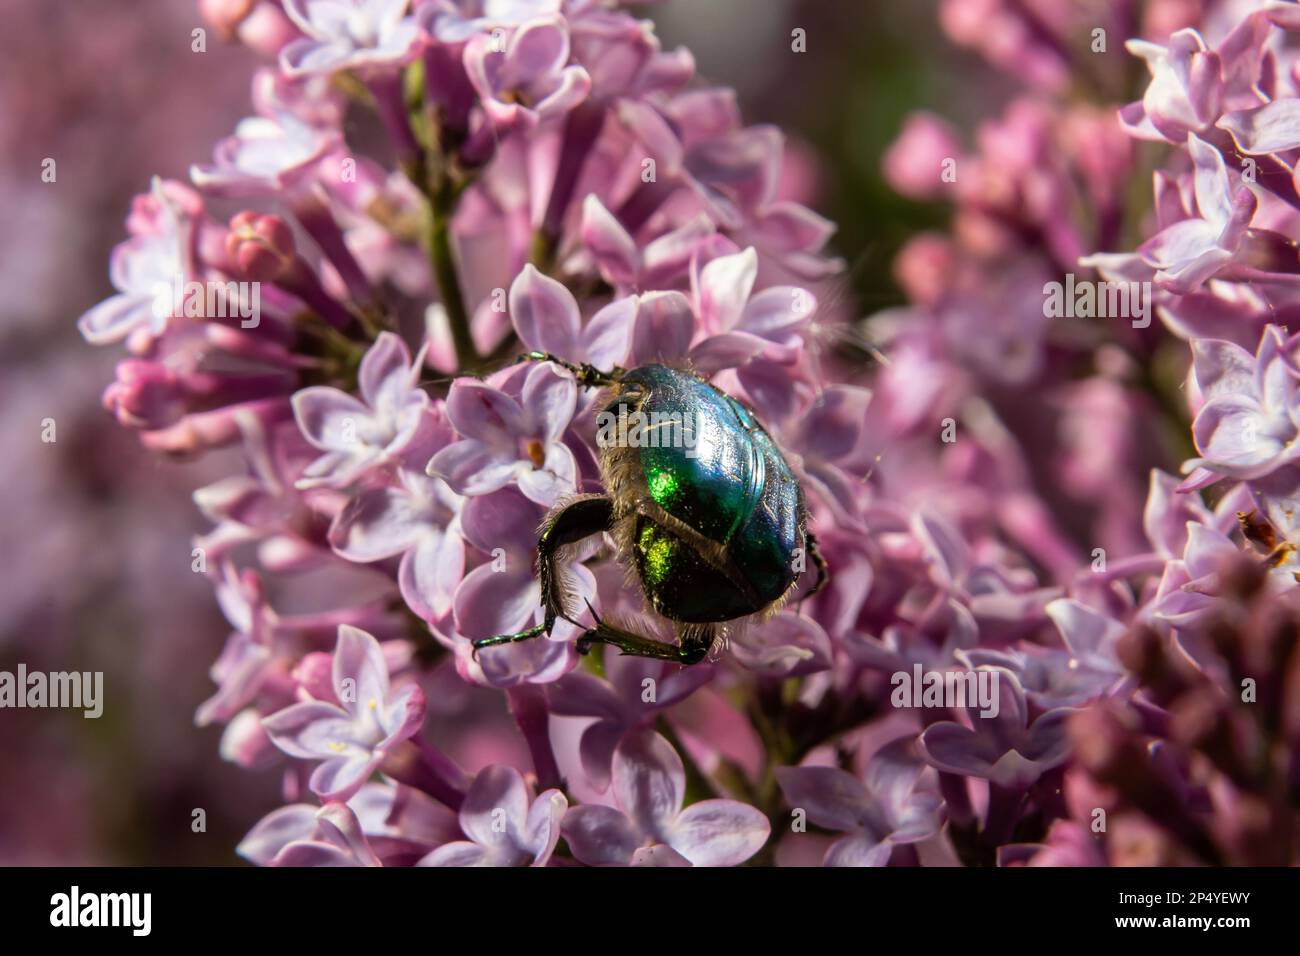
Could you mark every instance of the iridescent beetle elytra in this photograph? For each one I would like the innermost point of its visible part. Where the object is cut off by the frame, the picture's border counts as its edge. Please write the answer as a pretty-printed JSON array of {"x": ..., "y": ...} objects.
[{"x": 713, "y": 533}]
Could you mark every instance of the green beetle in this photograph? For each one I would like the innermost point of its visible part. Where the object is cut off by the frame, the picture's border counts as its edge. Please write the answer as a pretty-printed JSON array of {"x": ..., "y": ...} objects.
[{"x": 701, "y": 503}]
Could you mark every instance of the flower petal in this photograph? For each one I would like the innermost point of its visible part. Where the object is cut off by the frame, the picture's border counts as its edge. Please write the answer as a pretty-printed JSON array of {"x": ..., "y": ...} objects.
[
  {"x": 544, "y": 313},
  {"x": 649, "y": 781},
  {"x": 719, "y": 832},
  {"x": 663, "y": 329},
  {"x": 1271, "y": 128},
  {"x": 614, "y": 250},
  {"x": 377, "y": 523},
  {"x": 495, "y": 808},
  {"x": 360, "y": 671},
  {"x": 329, "y": 418},
  {"x": 832, "y": 798},
  {"x": 477, "y": 410},
  {"x": 600, "y": 836},
  {"x": 550, "y": 398},
  {"x": 722, "y": 288}
]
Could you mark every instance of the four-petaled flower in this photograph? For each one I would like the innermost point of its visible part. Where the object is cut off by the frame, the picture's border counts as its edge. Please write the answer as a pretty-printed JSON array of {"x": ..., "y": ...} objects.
[
  {"x": 530, "y": 78},
  {"x": 649, "y": 826},
  {"x": 1250, "y": 421},
  {"x": 353, "y": 736},
  {"x": 266, "y": 156},
  {"x": 1188, "y": 252},
  {"x": 891, "y": 807},
  {"x": 348, "y": 35},
  {"x": 507, "y": 440},
  {"x": 620, "y": 703},
  {"x": 1008, "y": 749},
  {"x": 503, "y": 826},
  {"x": 358, "y": 434},
  {"x": 144, "y": 268}
]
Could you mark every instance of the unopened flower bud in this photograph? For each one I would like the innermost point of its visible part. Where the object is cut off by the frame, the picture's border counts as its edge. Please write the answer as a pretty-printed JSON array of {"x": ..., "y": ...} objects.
[
  {"x": 314, "y": 675},
  {"x": 225, "y": 16},
  {"x": 144, "y": 395},
  {"x": 261, "y": 247}
]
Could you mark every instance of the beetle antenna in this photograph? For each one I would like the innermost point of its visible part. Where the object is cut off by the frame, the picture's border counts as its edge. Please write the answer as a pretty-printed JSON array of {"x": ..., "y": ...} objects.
[{"x": 586, "y": 374}]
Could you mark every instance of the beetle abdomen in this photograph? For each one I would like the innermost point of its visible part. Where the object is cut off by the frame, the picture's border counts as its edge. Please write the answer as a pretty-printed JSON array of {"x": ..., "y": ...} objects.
[
  {"x": 715, "y": 469},
  {"x": 680, "y": 584}
]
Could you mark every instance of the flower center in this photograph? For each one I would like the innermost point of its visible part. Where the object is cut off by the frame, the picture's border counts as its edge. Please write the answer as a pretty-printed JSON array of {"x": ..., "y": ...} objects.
[{"x": 536, "y": 453}]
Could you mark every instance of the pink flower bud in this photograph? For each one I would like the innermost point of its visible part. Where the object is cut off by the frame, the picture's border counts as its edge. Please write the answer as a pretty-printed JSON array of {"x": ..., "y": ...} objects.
[
  {"x": 915, "y": 163},
  {"x": 924, "y": 267},
  {"x": 260, "y": 247},
  {"x": 225, "y": 16},
  {"x": 267, "y": 30},
  {"x": 144, "y": 395},
  {"x": 314, "y": 675}
]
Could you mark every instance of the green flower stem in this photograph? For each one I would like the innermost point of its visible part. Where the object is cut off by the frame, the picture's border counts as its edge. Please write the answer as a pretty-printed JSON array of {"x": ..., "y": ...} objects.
[
  {"x": 442, "y": 204},
  {"x": 432, "y": 167}
]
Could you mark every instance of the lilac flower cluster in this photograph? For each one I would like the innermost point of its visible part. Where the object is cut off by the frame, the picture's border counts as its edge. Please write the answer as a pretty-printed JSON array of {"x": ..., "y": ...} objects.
[{"x": 427, "y": 189}]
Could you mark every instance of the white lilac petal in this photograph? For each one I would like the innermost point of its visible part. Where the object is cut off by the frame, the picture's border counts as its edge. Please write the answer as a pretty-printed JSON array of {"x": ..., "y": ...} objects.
[
  {"x": 1271, "y": 128},
  {"x": 488, "y": 602},
  {"x": 722, "y": 288},
  {"x": 718, "y": 832},
  {"x": 496, "y": 807},
  {"x": 1213, "y": 189},
  {"x": 544, "y": 313},
  {"x": 600, "y": 836},
  {"x": 858, "y": 850},
  {"x": 649, "y": 781},
  {"x": 607, "y": 338},
  {"x": 280, "y": 827},
  {"x": 310, "y": 730},
  {"x": 459, "y": 854},
  {"x": 778, "y": 313},
  {"x": 477, "y": 410},
  {"x": 1086, "y": 632},
  {"x": 542, "y": 826},
  {"x": 329, "y": 418},
  {"x": 549, "y": 400},
  {"x": 377, "y": 523},
  {"x": 615, "y": 251},
  {"x": 556, "y": 478},
  {"x": 385, "y": 375},
  {"x": 430, "y": 572},
  {"x": 360, "y": 672},
  {"x": 1232, "y": 434},
  {"x": 1222, "y": 367},
  {"x": 473, "y": 467},
  {"x": 658, "y": 855},
  {"x": 833, "y": 798}
]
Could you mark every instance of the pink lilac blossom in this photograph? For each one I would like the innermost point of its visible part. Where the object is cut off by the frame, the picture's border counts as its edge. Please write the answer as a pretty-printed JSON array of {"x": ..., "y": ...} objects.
[{"x": 969, "y": 532}]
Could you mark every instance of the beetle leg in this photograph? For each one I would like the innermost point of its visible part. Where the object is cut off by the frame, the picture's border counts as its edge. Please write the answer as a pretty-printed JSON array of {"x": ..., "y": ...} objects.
[
  {"x": 823, "y": 572},
  {"x": 587, "y": 375},
  {"x": 537, "y": 630},
  {"x": 566, "y": 524},
  {"x": 691, "y": 650}
]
